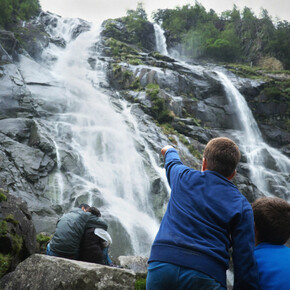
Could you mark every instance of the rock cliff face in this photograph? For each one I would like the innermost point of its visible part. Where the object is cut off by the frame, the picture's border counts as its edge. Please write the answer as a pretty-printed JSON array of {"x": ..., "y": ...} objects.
[
  {"x": 171, "y": 101},
  {"x": 17, "y": 232}
]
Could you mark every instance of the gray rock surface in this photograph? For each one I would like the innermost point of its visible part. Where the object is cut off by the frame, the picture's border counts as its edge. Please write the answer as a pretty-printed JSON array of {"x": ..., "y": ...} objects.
[
  {"x": 17, "y": 234},
  {"x": 136, "y": 263},
  {"x": 48, "y": 273}
]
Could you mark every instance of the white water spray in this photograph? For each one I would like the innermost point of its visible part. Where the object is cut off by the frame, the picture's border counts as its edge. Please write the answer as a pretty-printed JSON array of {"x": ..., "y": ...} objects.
[
  {"x": 110, "y": 171},
  {"x": 268, "y": 166},
  {"x": 160, "y": 39}
]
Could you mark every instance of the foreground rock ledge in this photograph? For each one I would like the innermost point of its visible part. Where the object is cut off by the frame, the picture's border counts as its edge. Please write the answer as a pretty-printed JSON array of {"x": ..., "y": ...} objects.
[{"x": 45, "y": 272}]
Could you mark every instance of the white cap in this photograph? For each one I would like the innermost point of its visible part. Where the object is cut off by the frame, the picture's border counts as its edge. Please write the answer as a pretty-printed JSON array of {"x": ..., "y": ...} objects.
[{"x": 103, "y": 235}]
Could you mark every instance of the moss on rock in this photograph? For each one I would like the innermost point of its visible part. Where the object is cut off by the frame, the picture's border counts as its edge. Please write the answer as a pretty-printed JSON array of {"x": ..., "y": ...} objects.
[
  {"x": 5, "y": 263},
  {"x": 140, "y": 284},
  {"x": 3, "y": 228},
  {"x": 10, "y": 218},
  {"x": 159, "y": 109},
  {"x": 42, "y": 240},
  {"x": 3, "y": 197}
]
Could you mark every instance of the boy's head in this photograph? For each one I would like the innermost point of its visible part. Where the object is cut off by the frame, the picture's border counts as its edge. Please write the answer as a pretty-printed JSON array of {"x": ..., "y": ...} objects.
[
  {"x": 93, "y": 210},
  {"x": 221, "y": 155},
  {"x": 272, "y": 220}
]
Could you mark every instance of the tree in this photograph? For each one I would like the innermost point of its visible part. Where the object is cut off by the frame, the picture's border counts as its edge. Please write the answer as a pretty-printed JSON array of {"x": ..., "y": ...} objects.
[
  {"x": 13, "y": 10},
  {"x": 139, "y": 13},
  {"x": 5, "y": 12}
]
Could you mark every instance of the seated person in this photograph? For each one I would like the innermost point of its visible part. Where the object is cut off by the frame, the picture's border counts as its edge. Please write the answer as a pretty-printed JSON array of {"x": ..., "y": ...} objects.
[
  {"x": 272, "y": 230},
  {"x": 95, "y": 243},
  {"x": 69, "y": 232}
]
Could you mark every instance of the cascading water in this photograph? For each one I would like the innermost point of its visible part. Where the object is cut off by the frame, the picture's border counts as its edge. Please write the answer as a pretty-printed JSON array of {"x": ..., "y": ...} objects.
[
  {"x": 95, "y": 141},
  {"x": 160, "y": 39},
  {"x": 269, "y": 167}
]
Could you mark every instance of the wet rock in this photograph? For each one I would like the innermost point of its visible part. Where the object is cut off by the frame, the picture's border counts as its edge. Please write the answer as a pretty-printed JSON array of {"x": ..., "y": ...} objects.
[
  {"x": 9, "y": 46},
  {"x": 17, "y": 232},
  {"x": 60, "y": 273},
  {"x": 137, "y": 264}
]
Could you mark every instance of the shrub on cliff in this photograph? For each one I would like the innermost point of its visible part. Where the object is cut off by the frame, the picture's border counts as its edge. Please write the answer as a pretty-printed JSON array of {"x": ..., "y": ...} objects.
[
  {"x": 133, "y": 29},
  {"x": 12, "y": 10}
]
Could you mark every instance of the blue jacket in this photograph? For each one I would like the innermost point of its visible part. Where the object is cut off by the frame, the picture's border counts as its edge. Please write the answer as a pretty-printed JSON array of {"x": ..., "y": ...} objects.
[
  {"x": 274, "y": 266},
  {"x": 205, "y": 216}
]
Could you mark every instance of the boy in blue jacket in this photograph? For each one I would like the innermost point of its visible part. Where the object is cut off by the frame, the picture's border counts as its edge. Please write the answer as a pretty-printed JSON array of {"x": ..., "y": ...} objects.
[
  {"x": 206, "y": 216},
  {"x": 272, "y": 229}
]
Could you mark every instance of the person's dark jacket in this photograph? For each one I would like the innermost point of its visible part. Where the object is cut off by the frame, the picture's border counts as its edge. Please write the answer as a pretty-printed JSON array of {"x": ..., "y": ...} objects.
[
  {"x": 91, "y": 249},
  {"x": 70, "y": 229}
]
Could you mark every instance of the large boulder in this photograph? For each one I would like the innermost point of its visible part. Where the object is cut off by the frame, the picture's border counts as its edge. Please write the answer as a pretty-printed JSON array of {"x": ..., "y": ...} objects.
[
  {"x": 17, "y": 232},
  {"x": 136, "y": 263},
  {"x": 46, "y": 272}
]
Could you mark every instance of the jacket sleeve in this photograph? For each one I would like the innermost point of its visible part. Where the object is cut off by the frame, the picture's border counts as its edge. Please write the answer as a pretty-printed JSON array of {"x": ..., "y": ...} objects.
[
  {"x": 243, "y": 242},
  {"x": 95, "y": 222},
  {"x": 173, "y": 165}
]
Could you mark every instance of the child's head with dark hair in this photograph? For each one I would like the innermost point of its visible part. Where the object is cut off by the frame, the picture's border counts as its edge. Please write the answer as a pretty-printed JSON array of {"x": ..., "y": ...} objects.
[
  {"x": 93, "y": 210},
  {"x": 272, "y": 220},
  {"x": 222, "y": 155}
]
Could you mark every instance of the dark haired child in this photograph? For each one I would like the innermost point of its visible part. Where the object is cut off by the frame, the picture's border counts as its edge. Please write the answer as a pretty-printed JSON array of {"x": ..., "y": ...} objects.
[{"x": 272, "y": 229}]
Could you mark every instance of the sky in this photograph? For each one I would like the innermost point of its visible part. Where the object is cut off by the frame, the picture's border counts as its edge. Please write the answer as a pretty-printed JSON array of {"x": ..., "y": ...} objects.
[{"x": 100, "y": 10}]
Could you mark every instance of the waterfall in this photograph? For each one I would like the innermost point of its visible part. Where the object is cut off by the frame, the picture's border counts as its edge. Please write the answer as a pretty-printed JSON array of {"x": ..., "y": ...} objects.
[
  {"x": 160, "y": 39},
  {"x": 96, "y": 140},
  {"x": 269, "y": 168}
]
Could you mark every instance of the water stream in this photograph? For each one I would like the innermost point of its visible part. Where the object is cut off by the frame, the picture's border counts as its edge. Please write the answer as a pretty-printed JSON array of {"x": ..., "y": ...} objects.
[
  {"x": 269, "y": 168},
  {"x": 96, "y": 141},
  {"x": 160, "y": 39}
]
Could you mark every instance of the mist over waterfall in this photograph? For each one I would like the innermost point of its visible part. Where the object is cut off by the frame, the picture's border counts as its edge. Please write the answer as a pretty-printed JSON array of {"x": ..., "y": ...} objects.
[
  {"x": 98, "y": 131},
  {"x": 269, "y": 168},
  {"x": 160, "y": 39}
]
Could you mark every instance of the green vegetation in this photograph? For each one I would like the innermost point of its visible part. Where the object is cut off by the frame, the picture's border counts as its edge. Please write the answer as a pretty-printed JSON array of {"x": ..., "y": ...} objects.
[
  {"x": 232, "y": 36},
  {"x": 136, "y": 86},
  {"x": 134, "y": 27},
  {"x": 135, "y": 22},
  {"x": 42, "y": 240},
  {"x": 5, "y": 262},
  {"x": 159, "y": 109},
  {"x": 277, "y": 91},
  {"x": 10, "y": 219},
  {"x": 17, "y": 243},
  {"x": 140, "y": 284},
  {"x": 12, "y": 10},
  {"x": 123, "y": 52},
  {"x": 3, "y": 197},
  {"x": 246, "y": 71},
  {"x": 13, "y": 242},
  {"x": 119, "y": 48},
  {"x": 3, "y": 228},
  {"x": 170, "y": 132}
]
